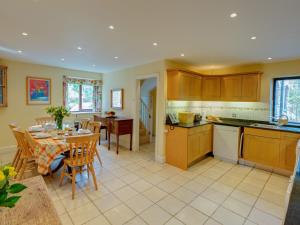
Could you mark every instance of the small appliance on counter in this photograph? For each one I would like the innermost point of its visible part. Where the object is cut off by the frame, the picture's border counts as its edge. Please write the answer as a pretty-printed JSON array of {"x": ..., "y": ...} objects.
[
  {"x": 197, "y": 117},
  {"x": 172, "y": 119},
  {"x": 186, "y": 117}
]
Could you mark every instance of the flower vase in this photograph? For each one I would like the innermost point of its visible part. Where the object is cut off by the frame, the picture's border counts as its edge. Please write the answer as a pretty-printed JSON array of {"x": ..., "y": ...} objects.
[{"x": 59, "y": 123}]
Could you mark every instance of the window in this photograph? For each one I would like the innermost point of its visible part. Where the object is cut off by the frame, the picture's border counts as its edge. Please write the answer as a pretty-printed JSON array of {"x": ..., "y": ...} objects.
[
  {"x": 82, "y": 95},
  {"x": 286, "y": 98}
]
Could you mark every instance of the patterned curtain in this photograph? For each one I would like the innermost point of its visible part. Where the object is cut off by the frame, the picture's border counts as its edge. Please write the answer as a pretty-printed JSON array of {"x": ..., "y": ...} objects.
[{"x": 97, "y": 89}]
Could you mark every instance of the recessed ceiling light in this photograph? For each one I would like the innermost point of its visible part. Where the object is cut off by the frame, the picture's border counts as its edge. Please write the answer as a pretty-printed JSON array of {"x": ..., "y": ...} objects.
[
  {"x": 111, "y": 27},
  {"x": 155, "y": 43},
  {"x": 19, "y": 51},
  {"x": 182, "y": 54},
  {"x": 253, "y": 38},
  {"x": 116, "y": 57},
  {"x": 233, "y": 15},
  {"x": 270, "y": 58},
  {"x": 24, "y": 34},
  {"x": 62, "y": 59},
  {"x": 79, "y": 48}
]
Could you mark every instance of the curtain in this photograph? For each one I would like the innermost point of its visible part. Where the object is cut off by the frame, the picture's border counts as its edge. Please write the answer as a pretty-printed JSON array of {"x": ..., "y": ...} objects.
[{"x": 97, "y": 95}]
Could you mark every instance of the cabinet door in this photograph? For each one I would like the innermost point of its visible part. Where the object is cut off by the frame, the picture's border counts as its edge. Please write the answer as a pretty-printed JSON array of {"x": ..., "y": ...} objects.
[
  {"x": 251, "y": 87},
  {"x": 262, "y": 150},
  {"x": 195, "y": 87},
  {"x": 211, "y": 88},
  {"x": 205, "y": 142},
  {"x": 193, "y": 147},
  {"x": 231, "y": 88},
  {"x": 3, "y": 86},
  {"x": 288, "y": 153},
  {"x": 173, "y": 80}
]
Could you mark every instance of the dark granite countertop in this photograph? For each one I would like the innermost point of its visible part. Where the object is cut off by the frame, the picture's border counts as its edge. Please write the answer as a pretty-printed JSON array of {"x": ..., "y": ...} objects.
[{"x": 241, "y": 123}]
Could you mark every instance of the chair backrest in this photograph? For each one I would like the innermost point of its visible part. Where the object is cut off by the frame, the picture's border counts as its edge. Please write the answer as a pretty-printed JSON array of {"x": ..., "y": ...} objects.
[
  {"x": 84, "y": 123},
  {"x": 82, "y": 148},
  {"x": 94, "y": 127},
  {"x": 31, "y": 143},
  {"x": 44, "y": 120},
  {"x": 12, "y": 125},
  {"x": 22, "y": 143}
]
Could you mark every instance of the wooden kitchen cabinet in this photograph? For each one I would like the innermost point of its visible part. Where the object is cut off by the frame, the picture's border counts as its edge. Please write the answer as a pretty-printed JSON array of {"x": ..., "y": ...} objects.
[
  {"x": 231, "y": 88},
  {"x": 271, "y": 148},
  {"x": 184, "y": 146},
  {"x": 3, "y": 86},
  {"x": 211, "y": 88},
  {"x": 183, "y": 85},
  {"x": 251, "y": 87}
]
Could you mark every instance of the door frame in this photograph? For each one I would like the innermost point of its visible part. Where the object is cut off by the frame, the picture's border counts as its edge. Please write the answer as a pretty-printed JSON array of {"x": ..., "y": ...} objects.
[{"x": 137, "y": 109}]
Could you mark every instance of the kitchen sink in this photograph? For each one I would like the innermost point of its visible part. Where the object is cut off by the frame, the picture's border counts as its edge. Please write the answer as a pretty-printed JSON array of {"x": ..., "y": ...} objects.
[{"x": 268, "y": 126}]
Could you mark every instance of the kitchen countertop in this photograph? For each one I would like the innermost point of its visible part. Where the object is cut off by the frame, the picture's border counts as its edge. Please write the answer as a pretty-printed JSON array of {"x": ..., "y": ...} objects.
[{"x": 240, "y": 123}]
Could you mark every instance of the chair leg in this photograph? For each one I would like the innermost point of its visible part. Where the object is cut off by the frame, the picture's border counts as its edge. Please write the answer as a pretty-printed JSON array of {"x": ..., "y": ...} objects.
[
  {"x": 22, "y": 170},
  {"x": 62, "y": 175},
  {"x": 16, "y": 158},
  {"x": 98, "y": 156},
  {"x": 73, "y": 182},
  {"x": 94, "y": 175},
  {"x": 88, "y": 170},
  {"x": 19, "y": 164}
]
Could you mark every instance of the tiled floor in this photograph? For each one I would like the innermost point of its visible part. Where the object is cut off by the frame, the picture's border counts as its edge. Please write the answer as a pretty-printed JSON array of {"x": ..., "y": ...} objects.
[{"x": 135, "y": 190}]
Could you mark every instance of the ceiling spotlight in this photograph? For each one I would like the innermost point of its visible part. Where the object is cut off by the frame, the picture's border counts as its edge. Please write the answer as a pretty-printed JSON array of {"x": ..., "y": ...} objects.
[
  {"x": 19, "y": 51},
  {"x": 111, "y": 27},
  {"x": 233, "y": 15},
  {"x": 79, "y": 48},
  {"x": 155, "y": 44},
  {"x": 270, "y": 58},
  {"x": 116, "y": 57},
  {"x": 253, "y": 38},
  {"x": 182, "y": 54},
  {"x": 24, "y": 34},
  {"x": 62, "y": 59}
]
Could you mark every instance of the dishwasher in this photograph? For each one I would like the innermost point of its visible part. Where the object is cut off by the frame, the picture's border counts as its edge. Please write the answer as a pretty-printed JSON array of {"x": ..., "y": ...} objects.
[{"x": 226, "y": 144}]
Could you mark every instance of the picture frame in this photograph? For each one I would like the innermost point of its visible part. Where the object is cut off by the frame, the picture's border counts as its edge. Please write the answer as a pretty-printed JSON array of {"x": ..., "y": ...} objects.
[
  {"x": 117, "y": 98},
  {"x": 38, "y": 91}
]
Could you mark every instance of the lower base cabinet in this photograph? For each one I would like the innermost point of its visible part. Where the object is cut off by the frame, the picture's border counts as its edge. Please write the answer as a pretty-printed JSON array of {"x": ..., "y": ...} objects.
[
  {"x": 184, "y": 146},
  {"x": 275, "y": 149}
]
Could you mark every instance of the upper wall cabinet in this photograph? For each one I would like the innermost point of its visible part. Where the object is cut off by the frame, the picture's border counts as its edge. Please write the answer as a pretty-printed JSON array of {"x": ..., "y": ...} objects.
[
  {"x": 183, "y": 85},
  {"x": 251, "y": 87},
  {"x": 3, "y": 86},
  {"x": 211, "y": 88}
]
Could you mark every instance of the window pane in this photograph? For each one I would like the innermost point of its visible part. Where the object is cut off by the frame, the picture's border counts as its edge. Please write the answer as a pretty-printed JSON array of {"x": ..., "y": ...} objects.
[
  {"x": 287, "y": 99},
  {"x": 73, "y": 97},
  {"x": 87, "y": 97}
]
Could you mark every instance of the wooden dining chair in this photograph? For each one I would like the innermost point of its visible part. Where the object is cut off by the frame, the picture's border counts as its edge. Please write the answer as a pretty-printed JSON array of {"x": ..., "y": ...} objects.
[
  {"x": 84, "y": 123},
  {"x": 27, "y": 161},
  {"x": 18, "y": 152},
  {"x": 95, "y": 128},
  {"x": 82, "y": 151},
  {"x": 44, "y": 120}
]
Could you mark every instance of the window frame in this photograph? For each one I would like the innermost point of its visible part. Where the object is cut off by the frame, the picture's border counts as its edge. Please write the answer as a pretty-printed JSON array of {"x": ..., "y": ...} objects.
[{"x": 274, "y": 94}]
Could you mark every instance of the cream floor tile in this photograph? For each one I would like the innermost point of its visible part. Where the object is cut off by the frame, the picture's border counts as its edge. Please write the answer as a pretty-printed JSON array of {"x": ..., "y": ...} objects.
[
  {"x": 184, "y": 195},
  {"x": 84, "y": 214},
  {"x": 218, "y": 186},
  {"x": 94, "y": 194},
  {"x": 231, "y": 181},
  {"x": 204, "y": 205},
  {"x": 129, "y": 178},
  {"x": 224, "y": 165},
  {"x": 136, "y": 221},
  {"x": 154, "y": 194},
  {"x": 79, "y": 200},
  {"x": 204, "y": 180},
  {"x": 174, "y": 221},
  {"x": 141, "y": 185},
  {"x": 189, "y": 174},
  {"x": 168, "y": 186},
  {"x": 106, "y": 202},
  {"x": 270, "y": 208},
  {"x": 98, "y": 220},
  {"x": 191, "y": 216},
  {"x": 212, "y": 222},
  {"x": 248, "y": 222},
  {"x": 115, "y": 184},
  {"x": 171, "y": 204},
  {"x": 244, "y": 197},
  {"x": 119, "y": 215},
  {"x": 213, "y": 195},
  {"x": 227, "y": 217},
  {"x": 195, "y": 187},
  {"x": 250, "y": 188},
  {"x": 125, "y": 193},
  {"x": 65, "y": 219},
  {"x": 180, "y": 180},
  {"x": 269, "y": 196},
  {"x": 213, "y": 173},
  {"x": 262, "y": 218},
  {"x": 155, "y": 215},
  {"x": 154, "y": 179},
  {"x": 139, "y": 203},
  {"x": 238, "y": 207},
  {"x": 60, "y": 209}
]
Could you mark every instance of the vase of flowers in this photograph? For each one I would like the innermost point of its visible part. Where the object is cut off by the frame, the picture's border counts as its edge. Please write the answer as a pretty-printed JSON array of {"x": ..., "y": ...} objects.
[
  {"x": 58, "y": 113},
  {"x": 7, "y": 191}
]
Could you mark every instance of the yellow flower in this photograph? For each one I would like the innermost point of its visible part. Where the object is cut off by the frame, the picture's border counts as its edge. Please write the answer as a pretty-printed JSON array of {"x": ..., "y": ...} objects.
[
  {"x": 11, "y": 170},
  {"x": 2, "y": 177}
]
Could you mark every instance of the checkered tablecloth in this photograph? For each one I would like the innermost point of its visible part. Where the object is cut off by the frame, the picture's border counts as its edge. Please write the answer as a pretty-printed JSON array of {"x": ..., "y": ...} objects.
[{"x": 46, "y": 151}]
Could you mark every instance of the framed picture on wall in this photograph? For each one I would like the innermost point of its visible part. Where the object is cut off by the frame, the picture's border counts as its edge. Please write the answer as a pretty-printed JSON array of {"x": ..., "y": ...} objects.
[
  {"x": 116, "y": 98},
  {"x": 38, "y": 91}
]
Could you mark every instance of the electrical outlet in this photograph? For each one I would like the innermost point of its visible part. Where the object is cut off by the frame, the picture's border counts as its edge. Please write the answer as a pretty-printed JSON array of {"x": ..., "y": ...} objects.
[{"x": 233, "y": 115}]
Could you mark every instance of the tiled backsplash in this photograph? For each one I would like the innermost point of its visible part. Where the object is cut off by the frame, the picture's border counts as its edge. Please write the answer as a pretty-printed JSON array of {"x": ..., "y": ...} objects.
[{"x": 239, "y": 110}]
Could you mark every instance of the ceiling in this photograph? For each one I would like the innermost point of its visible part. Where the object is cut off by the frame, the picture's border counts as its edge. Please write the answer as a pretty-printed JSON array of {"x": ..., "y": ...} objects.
[{"x": 201, "y": 29}]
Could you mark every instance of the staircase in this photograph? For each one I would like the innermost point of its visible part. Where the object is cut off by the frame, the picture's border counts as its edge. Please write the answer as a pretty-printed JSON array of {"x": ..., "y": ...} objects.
[{"x": 145, "y": 123}]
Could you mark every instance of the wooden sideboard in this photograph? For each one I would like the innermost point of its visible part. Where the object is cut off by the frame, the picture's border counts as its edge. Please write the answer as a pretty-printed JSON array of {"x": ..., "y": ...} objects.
[{"x": 118, "y": 126}]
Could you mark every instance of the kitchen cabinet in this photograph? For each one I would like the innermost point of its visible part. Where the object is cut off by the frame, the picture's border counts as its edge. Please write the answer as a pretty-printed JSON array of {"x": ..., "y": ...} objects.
[
  {"x": 184, "y": 146},
  {"x": 231, "y": 88},
  {"x": 211, "y": 88},
  {"x": 3, "y": 86},
  {"x": 271, "y": 148},
  {"x": 183, "y": 85},
  {"x": 251, "y": 87}
]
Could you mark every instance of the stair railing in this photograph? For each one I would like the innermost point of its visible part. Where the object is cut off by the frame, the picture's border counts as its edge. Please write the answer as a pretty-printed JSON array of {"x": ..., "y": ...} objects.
[{"x": 146, "y": 117}]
